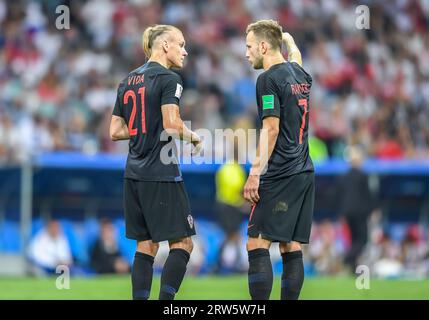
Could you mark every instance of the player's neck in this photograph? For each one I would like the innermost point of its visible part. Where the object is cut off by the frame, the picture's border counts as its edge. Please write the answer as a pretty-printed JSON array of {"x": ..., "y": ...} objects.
[
  {"x": 161, "y": 60},
  {"x": 270, "y": 60}
]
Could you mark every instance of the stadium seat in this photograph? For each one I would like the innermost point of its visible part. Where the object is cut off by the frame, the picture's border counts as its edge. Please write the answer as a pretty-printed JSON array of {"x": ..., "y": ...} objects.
[
  {"x": 397, "y": 231},
  {"x": 212, "y": 238},
  {"x": 91, "y": 232},
  {"x": 127, "y": 247},
  {"x": 75, "y": 236},
  {"x": 36, "y": 226},
  {"x": 11, "y": 236}
]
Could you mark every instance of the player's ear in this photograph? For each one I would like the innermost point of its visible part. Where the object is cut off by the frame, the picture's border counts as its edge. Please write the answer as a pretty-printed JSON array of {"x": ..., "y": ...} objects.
[
  {"x": 263, "y": 45},
  {"x": 165, "y": 45}
]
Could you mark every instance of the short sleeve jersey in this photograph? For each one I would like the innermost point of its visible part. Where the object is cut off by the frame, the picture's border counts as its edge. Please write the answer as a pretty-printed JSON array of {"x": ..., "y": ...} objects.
[
  {"x": 140, "y": 96},
  {"x": 283, "y": 91}
]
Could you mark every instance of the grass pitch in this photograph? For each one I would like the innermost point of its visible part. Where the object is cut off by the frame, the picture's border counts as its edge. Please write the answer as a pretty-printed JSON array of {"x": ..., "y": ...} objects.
[{"x": 209, "y": 288}]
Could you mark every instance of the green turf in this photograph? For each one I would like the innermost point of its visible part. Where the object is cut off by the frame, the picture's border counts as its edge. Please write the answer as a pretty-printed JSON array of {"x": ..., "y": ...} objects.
[{"x": 206, "y": 288}]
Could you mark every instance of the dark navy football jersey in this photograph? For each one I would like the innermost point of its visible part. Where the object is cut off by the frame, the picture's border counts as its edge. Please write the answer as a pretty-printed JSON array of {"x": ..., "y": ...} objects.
[
  {"x": 283, "y": 91},
  {"x": 139, "y": 100}
]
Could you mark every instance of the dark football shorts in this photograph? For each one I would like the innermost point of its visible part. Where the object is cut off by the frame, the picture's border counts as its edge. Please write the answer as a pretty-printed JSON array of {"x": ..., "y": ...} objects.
[
  {"x": 157, "y": 210},
  {"x": 284, "y": 211}
]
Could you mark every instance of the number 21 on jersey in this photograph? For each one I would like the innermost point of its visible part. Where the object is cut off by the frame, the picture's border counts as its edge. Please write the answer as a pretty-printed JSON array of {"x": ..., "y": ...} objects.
[{"x": 131, "y": 94}]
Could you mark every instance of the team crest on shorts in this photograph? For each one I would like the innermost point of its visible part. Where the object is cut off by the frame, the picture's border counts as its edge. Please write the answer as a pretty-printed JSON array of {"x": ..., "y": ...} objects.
[
  {"x": 281, "y": 207},
  {"x": 190, "y": 221}
]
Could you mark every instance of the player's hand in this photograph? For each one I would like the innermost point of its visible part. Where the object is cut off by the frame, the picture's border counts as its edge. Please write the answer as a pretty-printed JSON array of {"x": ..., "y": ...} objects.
[
  {"x": 287, "y": 37},
  {"x": 198, "y": 147},
  {"x": 251, "y": 189}
]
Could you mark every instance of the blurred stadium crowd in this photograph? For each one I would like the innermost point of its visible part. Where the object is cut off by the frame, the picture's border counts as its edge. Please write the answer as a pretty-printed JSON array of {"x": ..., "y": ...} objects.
[
  {"x": 371, "y": 87},
  {"x": 392, "y": 250},
  {"x": 90, "y": 247}
]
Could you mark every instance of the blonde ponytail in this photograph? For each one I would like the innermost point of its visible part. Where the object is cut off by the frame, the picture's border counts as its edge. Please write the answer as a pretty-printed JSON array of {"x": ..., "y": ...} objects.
[
  {"x": 146, "y": 44},
  {"x": 151, "y": 33}
]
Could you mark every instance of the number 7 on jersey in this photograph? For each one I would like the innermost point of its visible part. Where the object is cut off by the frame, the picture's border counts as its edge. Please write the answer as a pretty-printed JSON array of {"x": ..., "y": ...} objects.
[{"x": 302, "y": 103}]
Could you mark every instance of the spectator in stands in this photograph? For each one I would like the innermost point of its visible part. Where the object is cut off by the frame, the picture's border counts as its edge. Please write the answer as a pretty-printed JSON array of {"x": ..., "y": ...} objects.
[
  {"x": 387, "y": 258},
  {"x": 356, "y": 204},
  {"x": 105, "y": 254},
  {"x": 414, "y": 251},
  {"x": 49, "y": 249},
  {"x": 326, "y": 251}
]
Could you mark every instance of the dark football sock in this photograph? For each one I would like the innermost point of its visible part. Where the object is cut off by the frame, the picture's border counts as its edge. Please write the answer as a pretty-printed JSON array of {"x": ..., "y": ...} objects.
[
  {"x": 260, "y": 274},
  {"x": 293, "y": 275},
  {"x": 141, "y": 276},
  {"x": 173, "y": 273}
]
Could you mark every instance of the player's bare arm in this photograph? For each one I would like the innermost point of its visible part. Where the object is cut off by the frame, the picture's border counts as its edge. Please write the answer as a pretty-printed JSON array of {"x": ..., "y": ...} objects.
[
  {"x": 294, "y": 55},
  {"x": 174, "y": 125},
  {"x": 118, "y": 129},
  {"x": 267, "y": 141}
]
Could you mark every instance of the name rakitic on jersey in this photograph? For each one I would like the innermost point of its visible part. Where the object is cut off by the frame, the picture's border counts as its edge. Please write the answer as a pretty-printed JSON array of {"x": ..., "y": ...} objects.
[{"x": 300, "y": 88}]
